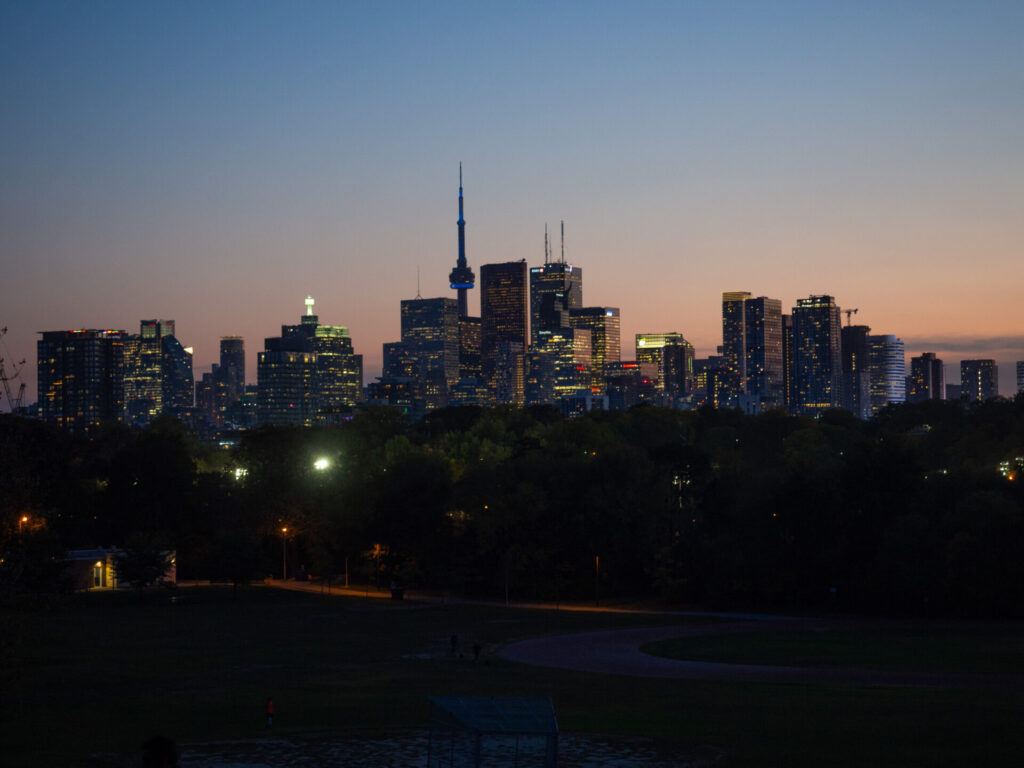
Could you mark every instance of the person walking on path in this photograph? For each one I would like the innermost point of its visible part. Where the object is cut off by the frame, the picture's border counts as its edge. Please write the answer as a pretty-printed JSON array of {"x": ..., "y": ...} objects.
[{"x": 270, "y": 712}]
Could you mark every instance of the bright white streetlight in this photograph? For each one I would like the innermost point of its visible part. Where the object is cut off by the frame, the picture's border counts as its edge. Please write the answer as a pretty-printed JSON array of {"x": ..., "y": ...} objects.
[{"x": 322, "y": 463}]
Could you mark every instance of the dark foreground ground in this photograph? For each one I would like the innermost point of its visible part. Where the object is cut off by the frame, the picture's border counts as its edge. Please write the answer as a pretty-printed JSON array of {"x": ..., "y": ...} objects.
[{"x": 85, "y": 681}]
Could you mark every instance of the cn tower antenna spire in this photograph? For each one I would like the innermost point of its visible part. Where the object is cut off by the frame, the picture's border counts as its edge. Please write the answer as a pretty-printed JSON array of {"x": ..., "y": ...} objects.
[
  {"x": 563, "y": 241},
  {"x": 461, "y": 278}
]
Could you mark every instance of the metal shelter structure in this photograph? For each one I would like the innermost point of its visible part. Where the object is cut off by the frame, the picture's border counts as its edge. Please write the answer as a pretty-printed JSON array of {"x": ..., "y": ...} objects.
[{"x": 496, "y": 732}]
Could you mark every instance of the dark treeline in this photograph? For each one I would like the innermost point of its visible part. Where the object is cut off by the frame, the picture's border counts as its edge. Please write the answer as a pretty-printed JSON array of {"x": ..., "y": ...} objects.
[{"x": 914, "y": 512}]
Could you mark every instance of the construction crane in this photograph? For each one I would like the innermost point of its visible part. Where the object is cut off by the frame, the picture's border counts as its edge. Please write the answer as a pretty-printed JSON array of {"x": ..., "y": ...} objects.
[
  {"x": 849, "y": 316},
  {"x": 14, "y": 403}
]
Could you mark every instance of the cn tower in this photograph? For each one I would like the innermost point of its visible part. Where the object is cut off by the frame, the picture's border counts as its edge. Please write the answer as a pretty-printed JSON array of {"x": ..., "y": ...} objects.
[{"x": 461, "y": 278}]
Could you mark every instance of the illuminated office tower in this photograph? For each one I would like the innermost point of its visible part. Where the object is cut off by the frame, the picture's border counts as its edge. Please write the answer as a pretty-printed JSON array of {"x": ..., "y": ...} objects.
[
  {"x": 927, "y": 378},
  {"x": 605, "y": 337},
  {"x": 673, "y": 357},
  {"x": 817, "y": 366},
  {"x": 887, "y": 371},
  {"x": 158, "y": 374},
  {"x": 469, "y": 348},
  {"x": 503, "y": 312},
  {"x": 430, "y": 333},
  {"x": 80, "y": 376},
  {"x": 560, "y": 365},
  {"x": 309, "y": 374},
  {"x": 856, "y": 393},
  {"x": 508, "y": 381},
  {"x": 979, "y": 379},
  {"x": 556, "y": 288},
  {"x": 734, "y": 342},
  {"x": 1020, "y": 376}
]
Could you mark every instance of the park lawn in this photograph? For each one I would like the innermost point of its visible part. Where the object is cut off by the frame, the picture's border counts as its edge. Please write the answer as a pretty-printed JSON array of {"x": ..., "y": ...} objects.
[
  {"x": 978, "y": 647},
  {"x": 103, "y": 671}
]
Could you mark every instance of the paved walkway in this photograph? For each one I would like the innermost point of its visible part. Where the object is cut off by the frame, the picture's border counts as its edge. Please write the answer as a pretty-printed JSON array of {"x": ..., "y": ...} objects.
[{"x": 618, "y": 652}]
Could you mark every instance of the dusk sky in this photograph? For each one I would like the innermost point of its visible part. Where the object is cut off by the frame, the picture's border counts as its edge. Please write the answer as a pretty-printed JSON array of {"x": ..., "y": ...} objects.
[{"x": 214, "y": 163}]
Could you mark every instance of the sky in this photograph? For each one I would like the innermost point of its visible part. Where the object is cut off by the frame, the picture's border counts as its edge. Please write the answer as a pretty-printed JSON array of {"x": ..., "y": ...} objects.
[{"x": 214, "y": 163}]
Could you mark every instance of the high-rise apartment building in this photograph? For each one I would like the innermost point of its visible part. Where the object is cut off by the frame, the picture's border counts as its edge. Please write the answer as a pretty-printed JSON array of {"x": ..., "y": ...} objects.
[
  {"x": 752, "y": 347},
  {"x": 788, "y": 380},
  {"x": 979, "y": 379},
  {"x": 763, "y": 351},
  {"x": 816, "y": 354},
  {"x": 309, "y": 374},
  {"x": 856, "y": 392},
  {"x": 504, "y": 310},
  {"x": 605, "y": 337},
  {"x": 734, "y": 342},
  {"x": 80, "y": 375},
  {"x": 887, "y": 371},
  {"x": 927, "y": 378},
  {"x": 1020, "y": 376}
]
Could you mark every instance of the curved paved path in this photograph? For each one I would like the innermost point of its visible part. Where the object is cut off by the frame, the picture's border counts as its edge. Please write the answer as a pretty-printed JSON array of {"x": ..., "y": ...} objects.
[{"x": 618, "y": 652}]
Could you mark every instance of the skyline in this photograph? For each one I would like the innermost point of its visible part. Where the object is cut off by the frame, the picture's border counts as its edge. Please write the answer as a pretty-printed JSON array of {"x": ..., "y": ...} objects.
[{"x": 216, "y": 165}]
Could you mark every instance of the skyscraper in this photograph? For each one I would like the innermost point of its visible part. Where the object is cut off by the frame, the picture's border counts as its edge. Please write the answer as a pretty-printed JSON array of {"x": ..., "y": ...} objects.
[
  {"x": 816, "y": 354},
  {"x": 224, "y": 384},
  {"x": 927, "y": 378},
  {"x": 734, "y": 342},
  {"x": 763, "y": 351},
  {"x": 430, "y": 333},
  {"x": 752, "y": 349},
  {"x": 856, "y": 393},
  {"x": 461, "y": 277},
  {"x": 80, "y": 375},
  {"x": 788, "y": 380},
  {"x": 605, "y": 337},
  {"x": 556, "y": 288},
  {"x": 887, "y": 371},
  {"x": 158, "y": 375},
  {"x": 309, "y": 374},
  {"x": 1020, "y": 376},
  {"x": 232, "y": 364},
  {"x": 673, "y": 357},
  {"x": 979, "y": 379},
  {"x": 560, "y": 365},
  {"x": 503, "y": 311}
]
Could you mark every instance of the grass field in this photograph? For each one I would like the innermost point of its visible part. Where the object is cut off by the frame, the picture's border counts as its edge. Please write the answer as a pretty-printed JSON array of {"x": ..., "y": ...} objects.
[
  {"x": 98, "y": 674},
  {"x": 920, "y": 647}
]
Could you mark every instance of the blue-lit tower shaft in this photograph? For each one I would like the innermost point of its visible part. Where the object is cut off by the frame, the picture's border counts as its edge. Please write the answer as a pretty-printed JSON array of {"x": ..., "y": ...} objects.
[{"x": 461, "y": 278}]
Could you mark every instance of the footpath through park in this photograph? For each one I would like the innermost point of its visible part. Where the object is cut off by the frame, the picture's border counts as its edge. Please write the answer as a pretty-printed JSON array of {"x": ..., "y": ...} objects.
[{"x": 618, "y": 651}]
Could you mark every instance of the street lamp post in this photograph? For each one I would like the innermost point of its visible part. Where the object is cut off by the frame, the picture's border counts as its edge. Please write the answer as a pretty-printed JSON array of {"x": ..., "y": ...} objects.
[{"x": 284, "y": 554}]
